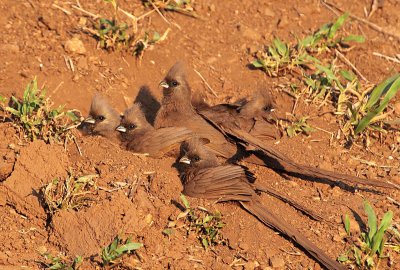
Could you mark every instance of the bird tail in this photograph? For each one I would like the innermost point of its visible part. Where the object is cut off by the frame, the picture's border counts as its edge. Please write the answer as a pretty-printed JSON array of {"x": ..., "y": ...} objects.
[
  {"x": 288, "y": 165},
  {"x": 270, "y": 220}
]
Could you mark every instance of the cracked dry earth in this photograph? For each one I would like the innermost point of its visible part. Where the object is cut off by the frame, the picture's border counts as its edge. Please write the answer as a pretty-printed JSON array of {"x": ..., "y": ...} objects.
[{"x": 217, "y": 46}]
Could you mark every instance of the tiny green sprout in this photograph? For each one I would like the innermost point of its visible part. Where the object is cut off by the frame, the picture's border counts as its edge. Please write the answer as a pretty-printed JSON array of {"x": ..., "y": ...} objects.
[
  {"x": 117, "y": 248},
  {"x": 347, "y": 224},
  {"x": 370, "y": 247},
  {"x": 299, "y": 126}
]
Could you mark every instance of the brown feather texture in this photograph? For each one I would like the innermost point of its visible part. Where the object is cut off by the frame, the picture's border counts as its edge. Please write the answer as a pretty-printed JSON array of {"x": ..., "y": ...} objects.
[
  {"x": 140, "y": 137},
  {"x": 203, "y": 177}
]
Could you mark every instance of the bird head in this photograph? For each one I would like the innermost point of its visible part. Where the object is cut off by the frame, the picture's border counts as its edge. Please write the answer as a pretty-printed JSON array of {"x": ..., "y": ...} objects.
[
  {"x": 132, "y": 121},
  {"x": 102, "y": 118},
  {"x": 175, "y": 82},
  {"x": 195, "y": 154}
]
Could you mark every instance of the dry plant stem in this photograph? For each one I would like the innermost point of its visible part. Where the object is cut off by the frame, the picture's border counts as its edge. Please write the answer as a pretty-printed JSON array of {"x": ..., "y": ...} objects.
[
  {"x": 62, "y": 9},
  {"x": 159, "y": 12},
  {"x": 94, "y": 16},
  {"x": 370, "y": 24},
  {"x": 387, "y": 57},
  {"x": 353, "y": 67},
  {"x": 206, "y": 83}
]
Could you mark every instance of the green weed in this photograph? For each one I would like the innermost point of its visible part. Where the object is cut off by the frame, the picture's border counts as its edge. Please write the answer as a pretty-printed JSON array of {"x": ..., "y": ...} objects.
[
  {"x": 117, "y": 248},
  {"x": 61, "y": 263},
  {"x": 35, "y": 119},
  {"x": 299, "y": 126},
  {"x": 71, "y": 193},
  {"x": 181, "y": 6},
  {"x": 204, "y": 224},
  {"x": 368, "y": 250}
]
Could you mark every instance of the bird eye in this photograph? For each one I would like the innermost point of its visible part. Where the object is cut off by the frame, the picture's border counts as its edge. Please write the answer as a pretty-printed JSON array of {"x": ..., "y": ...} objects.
[
  {"x": 196, "y": 158},
  {"x": 174, "y": 83},
  {"x": 100, "y": 118},
  {"x": 132, "y": 126}
]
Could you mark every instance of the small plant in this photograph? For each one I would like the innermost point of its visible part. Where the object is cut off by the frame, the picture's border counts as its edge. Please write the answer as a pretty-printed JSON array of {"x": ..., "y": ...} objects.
[
  {"x": 369, "y": 249},
  {"x": 281, "y": 57},
  {"x": 111, "y": 253},
  {"x": 181, "y": 6},
  {"x": 204, "y": 224},
  {"x": 72, "y": 193},
  {"x": 328, "y": 37},
  {"x": 61, "y": 263},
  {"x": 299, "y": 126},
  {"x": 35, "y": 119}
]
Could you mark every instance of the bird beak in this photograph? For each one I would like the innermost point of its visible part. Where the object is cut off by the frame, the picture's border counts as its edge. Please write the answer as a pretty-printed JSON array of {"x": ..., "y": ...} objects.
[
  {"x": 185, "y": 160},
  {"x": 89, "y": 120},
  {"x": 164, "y": 84},
  {"x": 121, "y": 129}
]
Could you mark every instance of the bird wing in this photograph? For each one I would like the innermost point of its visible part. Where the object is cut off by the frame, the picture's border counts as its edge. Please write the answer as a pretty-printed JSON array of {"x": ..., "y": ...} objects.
[
  {"x": 224, "y": 183},
  {"x": 161, "y": 141}
]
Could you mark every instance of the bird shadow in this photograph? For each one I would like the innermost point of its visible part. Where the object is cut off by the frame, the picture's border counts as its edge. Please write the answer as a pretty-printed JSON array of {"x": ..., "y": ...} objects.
[{"x": 150, "y": 104}]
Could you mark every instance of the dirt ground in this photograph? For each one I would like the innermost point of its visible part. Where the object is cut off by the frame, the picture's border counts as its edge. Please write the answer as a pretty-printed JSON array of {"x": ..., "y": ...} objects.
[{"x": 217, "y": 46}]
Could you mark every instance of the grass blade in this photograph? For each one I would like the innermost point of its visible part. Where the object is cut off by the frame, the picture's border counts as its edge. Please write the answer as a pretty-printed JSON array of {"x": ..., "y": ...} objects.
[
  {"x": 394, "y": 88},
  {"x": 372, "y": 221}
]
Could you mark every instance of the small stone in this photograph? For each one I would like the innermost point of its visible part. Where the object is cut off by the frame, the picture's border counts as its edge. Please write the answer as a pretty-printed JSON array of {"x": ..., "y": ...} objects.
[
  {"x": 251, "y": 34},
  {"x": 396, "y": 107},
  {"x": 326, "y": 165},
  {"x": 336, "y": 191},
  {"x": 251, "y": 265},
  {"x": 75, "y": 45},
  {"x": 42, "y": 250},
  {"x": 148, "y": 219},
  {"x": 83, "y": 63},
  {"x": 212, "y": 8},
  {"x": 268, "y": 12},
  {"x": 337, "y": 238},
  {"x": 82, "y": 21},
  {"x": 9, "y": 48},
  {"x": 276, "y": 262},
  {"x": 283, "y": 21}
]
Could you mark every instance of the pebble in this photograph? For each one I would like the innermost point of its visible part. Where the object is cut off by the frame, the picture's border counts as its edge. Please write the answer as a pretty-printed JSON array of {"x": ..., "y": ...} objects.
[
  {"x": 268, "y": 12},
  {"x": 396, "y": 107},
  {"x": 336, "y": 191},
  {"x": 251, "y": 265},
  {"x": 75, "y": 45},
  {"x": 250, "y": 34},
  {"x": 276, "y": 262},
  {"x": 12, "y": 48},
  {"x": 83, "y": 63},
  {"x": 283, "y": 21},
  {"x": 326, "y": 165}
]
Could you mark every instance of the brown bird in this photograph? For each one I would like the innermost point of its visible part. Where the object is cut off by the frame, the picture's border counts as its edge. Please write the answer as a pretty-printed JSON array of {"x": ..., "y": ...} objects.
[
  {"x": 140, "y": 137},
  {"x": 177, "y": 111},
  {"x": 253, "y": 116},
  {"x": 204, "y": 177},
  {"x": 102, "y": 120},
  {"x": 220, "y": 127}
]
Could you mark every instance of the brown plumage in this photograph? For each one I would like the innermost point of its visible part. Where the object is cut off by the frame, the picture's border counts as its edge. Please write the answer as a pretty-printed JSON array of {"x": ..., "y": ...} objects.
[
  {"x": 203, "y": 177},
  {"x": 253, "y": 116},
  {"x": 177, "y": 111},
  {"x": 218, "y": 125},
  {"x": 140, "y": 137},
  {"x": 102, "y": 120}
]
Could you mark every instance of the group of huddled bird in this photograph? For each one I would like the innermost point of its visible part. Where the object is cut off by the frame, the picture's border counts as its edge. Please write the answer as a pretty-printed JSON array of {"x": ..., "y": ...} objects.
[{"x": 208, "y": 141}]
